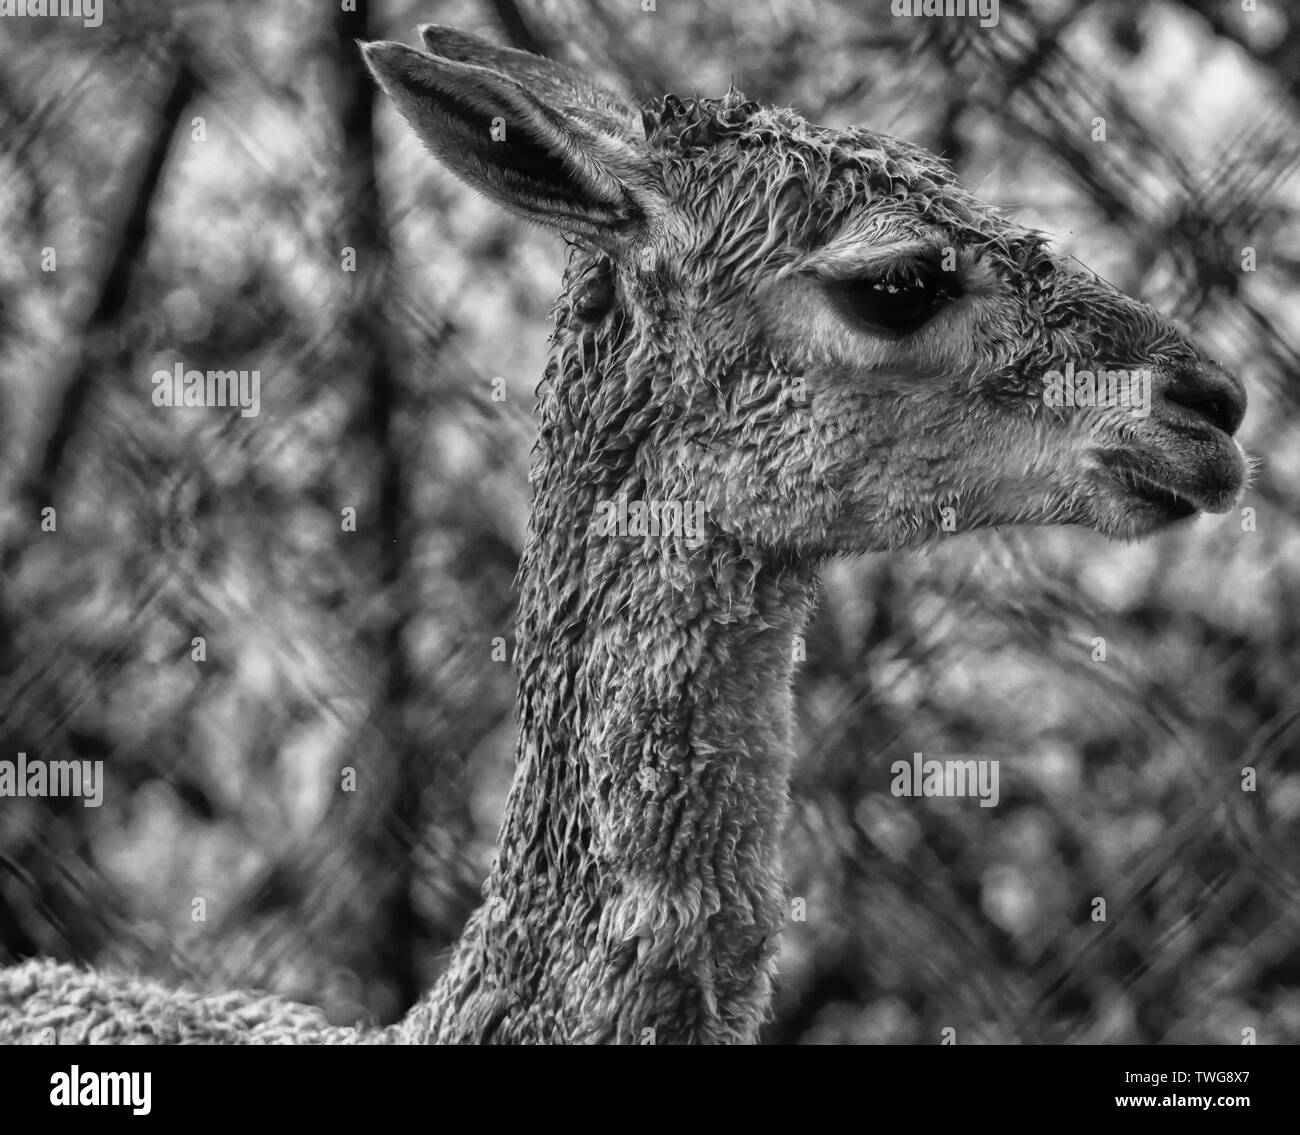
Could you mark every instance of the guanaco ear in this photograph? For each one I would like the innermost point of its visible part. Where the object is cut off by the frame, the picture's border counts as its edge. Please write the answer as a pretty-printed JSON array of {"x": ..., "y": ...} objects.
[
  {"x": 534, "y": 158},
  {"x": 555, "y": 84}
]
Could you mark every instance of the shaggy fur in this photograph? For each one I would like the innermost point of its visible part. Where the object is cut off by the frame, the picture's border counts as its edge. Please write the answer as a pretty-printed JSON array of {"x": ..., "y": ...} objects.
[{"x": 702, "y": 354}]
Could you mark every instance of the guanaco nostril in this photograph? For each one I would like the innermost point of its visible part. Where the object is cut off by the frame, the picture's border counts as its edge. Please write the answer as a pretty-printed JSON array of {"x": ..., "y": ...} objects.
[{"x": 1211, "y": 393}]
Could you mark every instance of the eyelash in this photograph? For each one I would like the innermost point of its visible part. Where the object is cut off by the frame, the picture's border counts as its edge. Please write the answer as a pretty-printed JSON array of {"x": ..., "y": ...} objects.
[{"x": 900, "y": 300}]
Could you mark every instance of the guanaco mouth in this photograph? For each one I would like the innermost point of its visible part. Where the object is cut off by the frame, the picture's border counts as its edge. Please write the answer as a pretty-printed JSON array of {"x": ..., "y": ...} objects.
[{"x": 1175, "y": 502}]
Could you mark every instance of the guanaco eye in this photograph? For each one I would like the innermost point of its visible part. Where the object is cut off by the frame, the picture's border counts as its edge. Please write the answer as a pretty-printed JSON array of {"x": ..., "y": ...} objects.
[{"x": 900, "y": 300}]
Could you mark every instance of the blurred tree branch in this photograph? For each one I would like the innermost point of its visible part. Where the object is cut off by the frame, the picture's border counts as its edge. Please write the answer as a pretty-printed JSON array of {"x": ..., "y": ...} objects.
[{"x": 126, "y": 251}]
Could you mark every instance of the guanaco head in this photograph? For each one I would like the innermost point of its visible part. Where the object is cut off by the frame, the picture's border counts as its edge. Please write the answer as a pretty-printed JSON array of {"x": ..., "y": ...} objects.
[{"x": 852, "y": 351}]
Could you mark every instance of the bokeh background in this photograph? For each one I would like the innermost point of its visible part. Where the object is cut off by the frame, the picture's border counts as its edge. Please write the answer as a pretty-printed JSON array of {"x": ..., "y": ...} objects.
[{"x": 199, "y": 169}]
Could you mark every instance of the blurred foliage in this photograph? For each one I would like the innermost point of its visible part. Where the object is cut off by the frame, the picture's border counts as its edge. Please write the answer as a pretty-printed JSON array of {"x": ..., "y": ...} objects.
[{"x": 198, "y": 170}]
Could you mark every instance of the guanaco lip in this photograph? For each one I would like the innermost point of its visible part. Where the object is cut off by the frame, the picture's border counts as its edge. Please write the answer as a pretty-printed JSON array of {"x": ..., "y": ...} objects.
[
  {"x": 1175, "y": 500},
  {"x": 1175, "y": 504}
]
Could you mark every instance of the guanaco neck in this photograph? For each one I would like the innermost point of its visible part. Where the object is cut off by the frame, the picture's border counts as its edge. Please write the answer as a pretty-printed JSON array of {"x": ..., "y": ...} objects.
[{"x": 637, "y": 893}]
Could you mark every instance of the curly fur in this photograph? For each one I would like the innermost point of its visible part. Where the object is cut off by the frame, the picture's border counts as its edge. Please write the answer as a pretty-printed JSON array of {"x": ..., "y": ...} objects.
[{"x": 698, "y": 355}]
